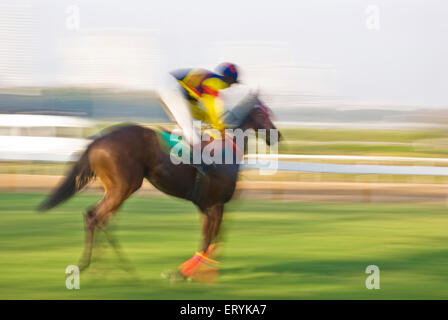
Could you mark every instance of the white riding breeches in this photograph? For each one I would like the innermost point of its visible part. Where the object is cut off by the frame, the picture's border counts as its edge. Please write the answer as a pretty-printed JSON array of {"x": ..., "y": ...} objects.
[{"x": 179, "y": 110}]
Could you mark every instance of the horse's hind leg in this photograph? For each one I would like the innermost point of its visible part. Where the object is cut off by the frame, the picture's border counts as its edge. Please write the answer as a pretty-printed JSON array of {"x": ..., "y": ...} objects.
[
  {"x": 98, "y": 218},
  {"x": 125, "y": 264},
  {"x": 90, "y": 226},
  {"x": 120, "y": 176}
]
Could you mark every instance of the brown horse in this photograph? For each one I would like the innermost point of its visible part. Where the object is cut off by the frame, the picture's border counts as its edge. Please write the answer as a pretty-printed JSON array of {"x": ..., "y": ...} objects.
[{"x": 122, "y": 158}]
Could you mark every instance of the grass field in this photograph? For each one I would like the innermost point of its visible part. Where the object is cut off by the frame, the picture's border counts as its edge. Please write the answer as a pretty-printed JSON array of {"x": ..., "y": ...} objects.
[{"x": 273, "y": 250}]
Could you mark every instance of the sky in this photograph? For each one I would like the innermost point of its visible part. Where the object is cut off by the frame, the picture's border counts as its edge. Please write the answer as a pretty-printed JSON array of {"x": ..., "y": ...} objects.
[{"x": 376, "y": 51}]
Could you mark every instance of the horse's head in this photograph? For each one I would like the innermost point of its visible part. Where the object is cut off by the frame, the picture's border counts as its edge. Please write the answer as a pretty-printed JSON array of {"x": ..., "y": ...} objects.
[{"x": 259, "y": 117}]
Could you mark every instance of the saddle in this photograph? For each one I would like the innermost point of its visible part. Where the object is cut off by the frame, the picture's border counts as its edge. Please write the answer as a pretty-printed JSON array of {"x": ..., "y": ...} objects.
[{"x": 169, "y": 141}]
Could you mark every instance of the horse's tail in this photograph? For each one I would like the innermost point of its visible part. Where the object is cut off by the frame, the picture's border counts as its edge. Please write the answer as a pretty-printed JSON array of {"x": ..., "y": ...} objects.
[{"x": 80, "y": 175}]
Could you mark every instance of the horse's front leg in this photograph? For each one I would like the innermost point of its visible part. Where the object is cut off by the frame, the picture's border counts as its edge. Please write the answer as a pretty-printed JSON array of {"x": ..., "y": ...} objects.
[
  {"x": 211, "y": 228},
  {"x": 202, "y": 267}
]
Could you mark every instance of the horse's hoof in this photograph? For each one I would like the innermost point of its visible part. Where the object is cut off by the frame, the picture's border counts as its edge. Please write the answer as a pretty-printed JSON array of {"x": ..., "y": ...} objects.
[
  {"x": 177, "y": 277},
  {"x": 173, "y": 276}
]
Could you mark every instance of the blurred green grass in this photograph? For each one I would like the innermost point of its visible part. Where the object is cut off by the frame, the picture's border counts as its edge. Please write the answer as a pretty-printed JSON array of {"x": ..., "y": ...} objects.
[
  {"x": 405, "y": 143},
  {"x": 273, "y": 250}
]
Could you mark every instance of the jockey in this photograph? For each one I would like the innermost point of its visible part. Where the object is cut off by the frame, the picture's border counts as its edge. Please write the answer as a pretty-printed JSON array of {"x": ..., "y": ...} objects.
[
  {"x": 201, "y": 89},
  {"x": 199, "y": 99}
]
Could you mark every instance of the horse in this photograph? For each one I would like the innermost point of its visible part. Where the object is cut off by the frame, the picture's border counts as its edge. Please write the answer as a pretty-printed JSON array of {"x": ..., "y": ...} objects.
[{"x": 122, "y": 158}]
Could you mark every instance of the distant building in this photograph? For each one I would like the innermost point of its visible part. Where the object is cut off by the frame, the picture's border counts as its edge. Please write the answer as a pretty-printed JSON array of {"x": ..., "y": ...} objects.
[
  {"x": 123, "y": 58},
  {"x": 17, "y": 45}
]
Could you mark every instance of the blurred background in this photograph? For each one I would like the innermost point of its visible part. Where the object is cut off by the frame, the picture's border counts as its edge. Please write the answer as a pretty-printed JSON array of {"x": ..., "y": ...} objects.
[{"x": 358, "y": 89}]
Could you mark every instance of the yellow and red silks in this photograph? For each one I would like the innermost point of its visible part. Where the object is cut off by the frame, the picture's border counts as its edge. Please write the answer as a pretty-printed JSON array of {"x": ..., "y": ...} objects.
[{"x": 201, "y": 88}]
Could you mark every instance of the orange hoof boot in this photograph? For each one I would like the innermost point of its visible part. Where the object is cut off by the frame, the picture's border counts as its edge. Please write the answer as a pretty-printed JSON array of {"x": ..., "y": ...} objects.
[
  {"x": 201, "y": 268},
  {"x": 211, "y": 250}
]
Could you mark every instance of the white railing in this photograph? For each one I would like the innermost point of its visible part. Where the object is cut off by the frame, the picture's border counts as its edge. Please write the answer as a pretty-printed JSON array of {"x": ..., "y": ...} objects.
[
  {"x": 267, "y": 162},
  {"x": 342, "y": 157},
  {"x": 350, "y": 168}
]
